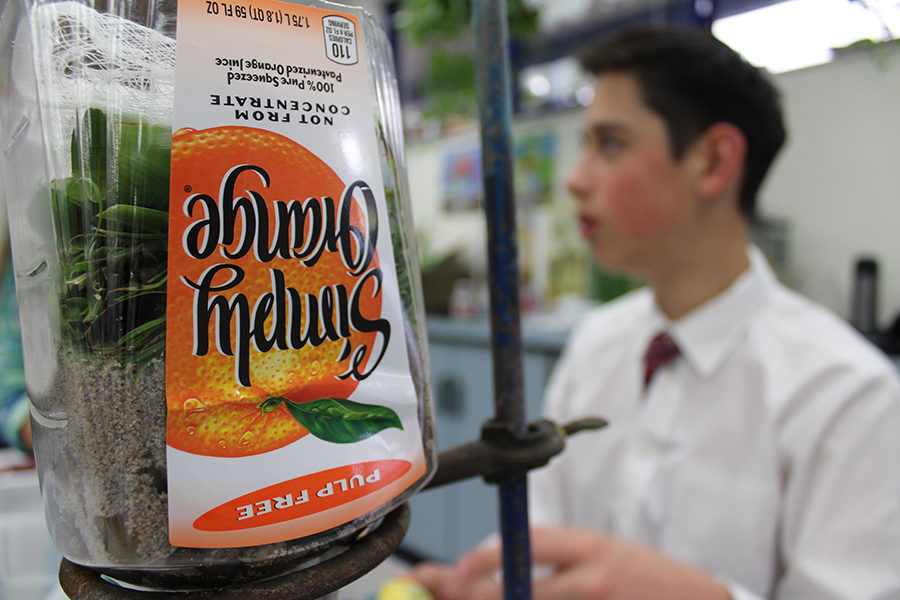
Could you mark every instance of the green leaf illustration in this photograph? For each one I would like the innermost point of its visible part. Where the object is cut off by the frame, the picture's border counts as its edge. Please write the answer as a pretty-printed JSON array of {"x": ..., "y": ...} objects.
[{"x": 336, "y": 420}]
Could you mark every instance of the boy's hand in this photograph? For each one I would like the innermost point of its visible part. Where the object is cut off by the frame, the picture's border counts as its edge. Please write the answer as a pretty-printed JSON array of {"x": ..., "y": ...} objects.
[{"x": 584, "y": 566}]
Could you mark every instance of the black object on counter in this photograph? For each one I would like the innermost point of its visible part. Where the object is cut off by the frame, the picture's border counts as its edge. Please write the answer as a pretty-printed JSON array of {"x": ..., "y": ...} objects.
[{"x": 864, "y": 312}]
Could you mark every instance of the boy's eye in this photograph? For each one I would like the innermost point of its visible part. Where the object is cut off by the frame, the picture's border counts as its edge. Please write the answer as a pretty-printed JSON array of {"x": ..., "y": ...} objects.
[
  {"x": 609, "y": 144},
  {"x": 604, "y": 141}
]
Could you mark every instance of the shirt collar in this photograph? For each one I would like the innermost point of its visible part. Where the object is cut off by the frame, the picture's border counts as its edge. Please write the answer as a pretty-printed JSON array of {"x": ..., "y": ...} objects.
[{"x": 707, "y": 334}]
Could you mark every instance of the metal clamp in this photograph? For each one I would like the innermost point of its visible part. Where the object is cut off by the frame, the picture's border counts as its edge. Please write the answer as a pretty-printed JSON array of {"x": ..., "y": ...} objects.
[{"x": 502, "y": 453}]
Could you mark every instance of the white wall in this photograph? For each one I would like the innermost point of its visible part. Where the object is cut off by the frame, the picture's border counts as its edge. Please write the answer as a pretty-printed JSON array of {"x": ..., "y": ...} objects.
[{"x": 837, "y": 181}]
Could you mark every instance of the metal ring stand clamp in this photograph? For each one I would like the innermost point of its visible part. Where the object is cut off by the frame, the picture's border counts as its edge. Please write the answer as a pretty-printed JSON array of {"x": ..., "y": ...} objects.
[{"x": 502, "y": 454}]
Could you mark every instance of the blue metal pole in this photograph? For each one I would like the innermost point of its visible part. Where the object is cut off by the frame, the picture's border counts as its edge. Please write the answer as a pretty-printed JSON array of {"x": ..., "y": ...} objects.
[{"x": 489, "y": 23}]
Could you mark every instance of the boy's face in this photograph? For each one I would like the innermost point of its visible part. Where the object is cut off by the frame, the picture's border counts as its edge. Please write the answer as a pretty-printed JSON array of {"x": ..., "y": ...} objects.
[{"x": 635, "y": 202}]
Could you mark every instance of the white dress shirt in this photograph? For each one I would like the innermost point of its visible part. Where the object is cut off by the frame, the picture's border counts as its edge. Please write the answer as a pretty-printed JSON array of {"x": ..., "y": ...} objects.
[{"x": 767, "y": 454}]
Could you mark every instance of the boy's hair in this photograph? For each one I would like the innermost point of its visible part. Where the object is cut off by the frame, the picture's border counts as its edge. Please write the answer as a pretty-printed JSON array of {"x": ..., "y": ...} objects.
[{"x": 692, "y": 80}]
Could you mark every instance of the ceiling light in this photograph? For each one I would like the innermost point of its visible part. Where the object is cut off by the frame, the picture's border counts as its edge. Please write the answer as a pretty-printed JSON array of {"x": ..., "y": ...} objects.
[
  {"x": 800, "y": 33},
  {"x": 538, "y": 85}
]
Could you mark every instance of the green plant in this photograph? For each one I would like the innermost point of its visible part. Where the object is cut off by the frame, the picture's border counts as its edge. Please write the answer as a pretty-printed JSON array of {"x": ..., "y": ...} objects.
[
  {"x": 111, "y": 218},
  {"x": 441, "y": 29}
]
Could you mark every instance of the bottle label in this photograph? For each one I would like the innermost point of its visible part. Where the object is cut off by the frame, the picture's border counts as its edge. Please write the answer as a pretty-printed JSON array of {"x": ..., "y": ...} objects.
[{"x": 291, "y": 408}]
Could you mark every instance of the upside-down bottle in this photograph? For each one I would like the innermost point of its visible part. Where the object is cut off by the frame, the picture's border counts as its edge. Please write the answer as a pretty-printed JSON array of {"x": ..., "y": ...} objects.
[{"x": 218, "y": 284}]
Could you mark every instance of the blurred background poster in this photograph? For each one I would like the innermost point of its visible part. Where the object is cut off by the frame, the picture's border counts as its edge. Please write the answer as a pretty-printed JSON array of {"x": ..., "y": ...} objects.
[{"x": 535, "y": 157}]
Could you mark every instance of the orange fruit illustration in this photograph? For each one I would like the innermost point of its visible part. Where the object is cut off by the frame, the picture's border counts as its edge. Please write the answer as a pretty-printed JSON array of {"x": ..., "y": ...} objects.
[{"x": 209, "y": 411}]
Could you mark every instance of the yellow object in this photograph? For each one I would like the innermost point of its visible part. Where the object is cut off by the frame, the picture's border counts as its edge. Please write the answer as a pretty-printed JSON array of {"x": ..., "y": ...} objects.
[{"x": 403, "y": 588}]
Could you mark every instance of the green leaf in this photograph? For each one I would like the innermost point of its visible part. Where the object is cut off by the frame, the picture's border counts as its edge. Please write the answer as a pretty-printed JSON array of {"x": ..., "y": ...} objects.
[
  {"x": 134, "y": 219},
  {"x": 143, "y": 162},
  {"x": 111, "y": 227},
  {"x": 78, "y": 192},
  {"x": 270, "y": 404},
  {"x": 118, "y": 235},
  {"x": 340, "y": 421},
  {"x": 127, "y": 159},
  {"x": 157, "y": 350},
  {"x": 70, "y": 199},
  {"x": 89, "y": 147},
  {"x": 150, "y": 327}
]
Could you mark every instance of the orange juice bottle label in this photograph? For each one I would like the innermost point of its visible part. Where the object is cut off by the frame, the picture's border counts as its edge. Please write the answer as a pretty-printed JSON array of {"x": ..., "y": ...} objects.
[{"x": 288, "y": 387}]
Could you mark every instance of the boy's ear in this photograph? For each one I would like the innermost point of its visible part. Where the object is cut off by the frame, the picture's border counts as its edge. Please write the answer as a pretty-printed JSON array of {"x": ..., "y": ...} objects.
[{"x": 722, "y": 151}]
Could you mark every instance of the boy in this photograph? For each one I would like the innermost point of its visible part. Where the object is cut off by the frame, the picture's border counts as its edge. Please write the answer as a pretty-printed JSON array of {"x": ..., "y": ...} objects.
[{"x": 752, "y": 451}]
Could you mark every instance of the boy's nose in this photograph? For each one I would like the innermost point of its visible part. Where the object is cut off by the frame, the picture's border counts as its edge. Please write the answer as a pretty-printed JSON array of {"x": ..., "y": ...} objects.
[{"x": 575, "y": 181}]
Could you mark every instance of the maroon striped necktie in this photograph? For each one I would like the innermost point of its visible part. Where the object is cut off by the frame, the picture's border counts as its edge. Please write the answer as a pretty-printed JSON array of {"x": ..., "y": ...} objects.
[{"x": 662, "y": 350}]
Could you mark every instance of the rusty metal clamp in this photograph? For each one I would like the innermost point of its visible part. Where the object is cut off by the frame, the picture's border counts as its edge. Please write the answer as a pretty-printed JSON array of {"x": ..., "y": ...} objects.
[{"x": 502, "y": 453}]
